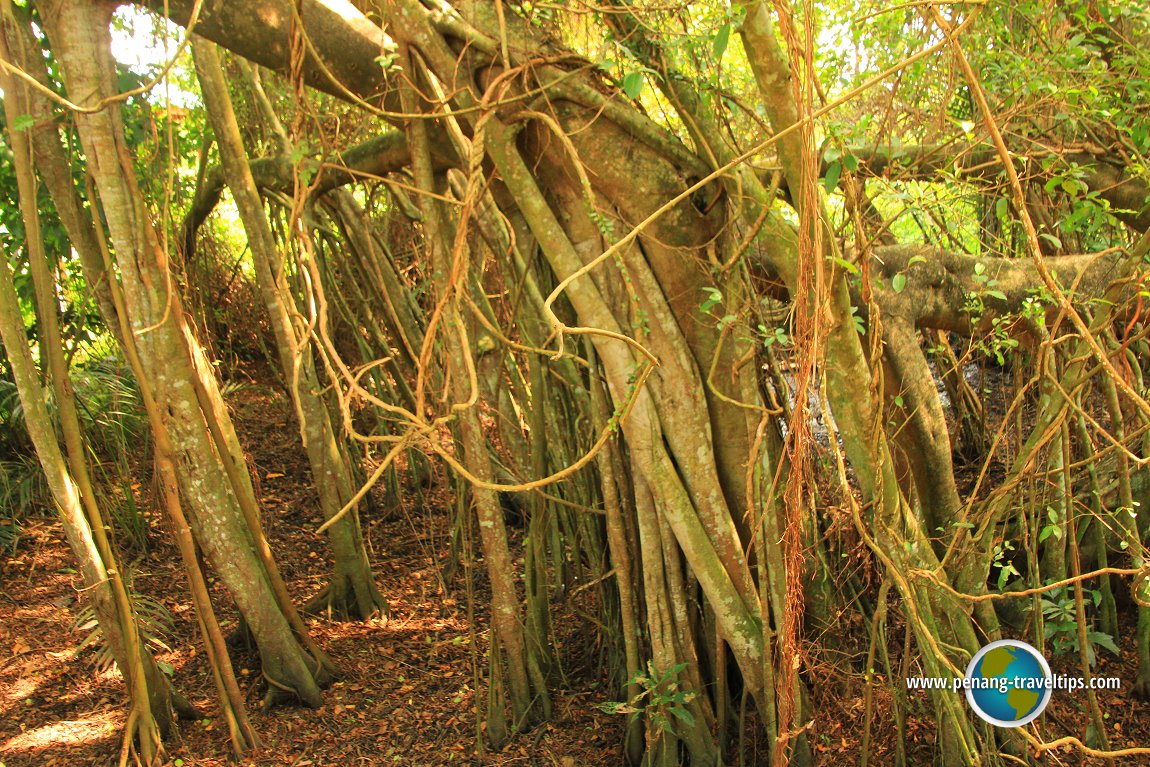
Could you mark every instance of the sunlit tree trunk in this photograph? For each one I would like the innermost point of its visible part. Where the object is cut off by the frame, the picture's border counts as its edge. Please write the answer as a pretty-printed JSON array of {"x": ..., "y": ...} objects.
[
  {"x": 352, "y": 589},
  {"x": 148, "y": 689},
  {"x": 173, "y": 362}
]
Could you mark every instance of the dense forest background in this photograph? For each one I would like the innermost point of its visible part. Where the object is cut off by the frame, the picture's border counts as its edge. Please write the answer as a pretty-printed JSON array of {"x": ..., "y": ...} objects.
[{"x": 570, "y": 383}]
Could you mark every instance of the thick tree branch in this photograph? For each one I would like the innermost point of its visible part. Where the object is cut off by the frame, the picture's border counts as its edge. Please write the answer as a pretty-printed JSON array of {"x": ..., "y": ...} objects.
[
  {"x": 940, "y": 282},
  {"x": 343, "y": 49},
  {"x": 373, "y": 158},
  {"x": 1128, "y": 195}
]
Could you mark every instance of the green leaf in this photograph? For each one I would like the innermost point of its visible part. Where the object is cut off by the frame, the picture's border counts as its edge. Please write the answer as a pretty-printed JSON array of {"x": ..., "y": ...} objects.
[
  {"x": 831, "y": 180},
  {"x": 898, "y": 282},
  {"x": 1051, "y": 239},
  {"x": 633, "y": 84},
  {"x": 388, "y": 62},
  {"x": 1139, "y": 134},
  {"x": 722, "y": 37},
  {"x": 22, "y": 122},
  {"x": 685, "y": 716},
  {"x": 1103, "y": 640},
  {"x": 847, "y": 265},
  {"x": 298, "y": 153},
  {"x": 714, "y": 296}
]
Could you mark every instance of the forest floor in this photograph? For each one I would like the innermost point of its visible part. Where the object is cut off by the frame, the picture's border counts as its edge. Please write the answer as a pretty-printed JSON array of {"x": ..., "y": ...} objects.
[{"x": 406, "y": 694}]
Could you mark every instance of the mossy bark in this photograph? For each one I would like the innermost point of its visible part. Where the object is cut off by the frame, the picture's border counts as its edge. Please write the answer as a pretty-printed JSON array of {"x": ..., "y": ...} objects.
[
  {"x": 171, "y": 356},
  {"x": 351, "y": 589}
]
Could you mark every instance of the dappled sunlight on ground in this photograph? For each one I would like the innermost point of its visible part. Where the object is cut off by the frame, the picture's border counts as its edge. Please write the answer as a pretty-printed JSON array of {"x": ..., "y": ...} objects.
[
  {"x": 406, "y": 693},
  {"x": 101, "y": 727},
  {"x": 55, "y": 706}
]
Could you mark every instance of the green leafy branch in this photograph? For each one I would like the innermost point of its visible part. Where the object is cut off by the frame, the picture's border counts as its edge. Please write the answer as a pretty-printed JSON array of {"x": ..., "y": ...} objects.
[{"x": 661, "y": 699}]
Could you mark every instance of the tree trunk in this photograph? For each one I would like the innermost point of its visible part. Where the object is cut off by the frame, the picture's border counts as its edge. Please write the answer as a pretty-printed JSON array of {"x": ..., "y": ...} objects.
[
  {"x": 169, "y": 353},
  {"x": 148, "y": 690},
  {"x": 351, "y": 589}
]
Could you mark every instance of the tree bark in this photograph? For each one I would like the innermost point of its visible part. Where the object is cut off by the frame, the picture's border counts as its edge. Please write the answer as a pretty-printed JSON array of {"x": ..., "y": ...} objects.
[
  {"x": 168, "y": 351},
  {"x": 352, "y": 589}
]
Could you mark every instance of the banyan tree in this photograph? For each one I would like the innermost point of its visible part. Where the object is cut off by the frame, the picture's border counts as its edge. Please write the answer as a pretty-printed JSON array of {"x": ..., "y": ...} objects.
[{"x": 771, "y": 324}]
